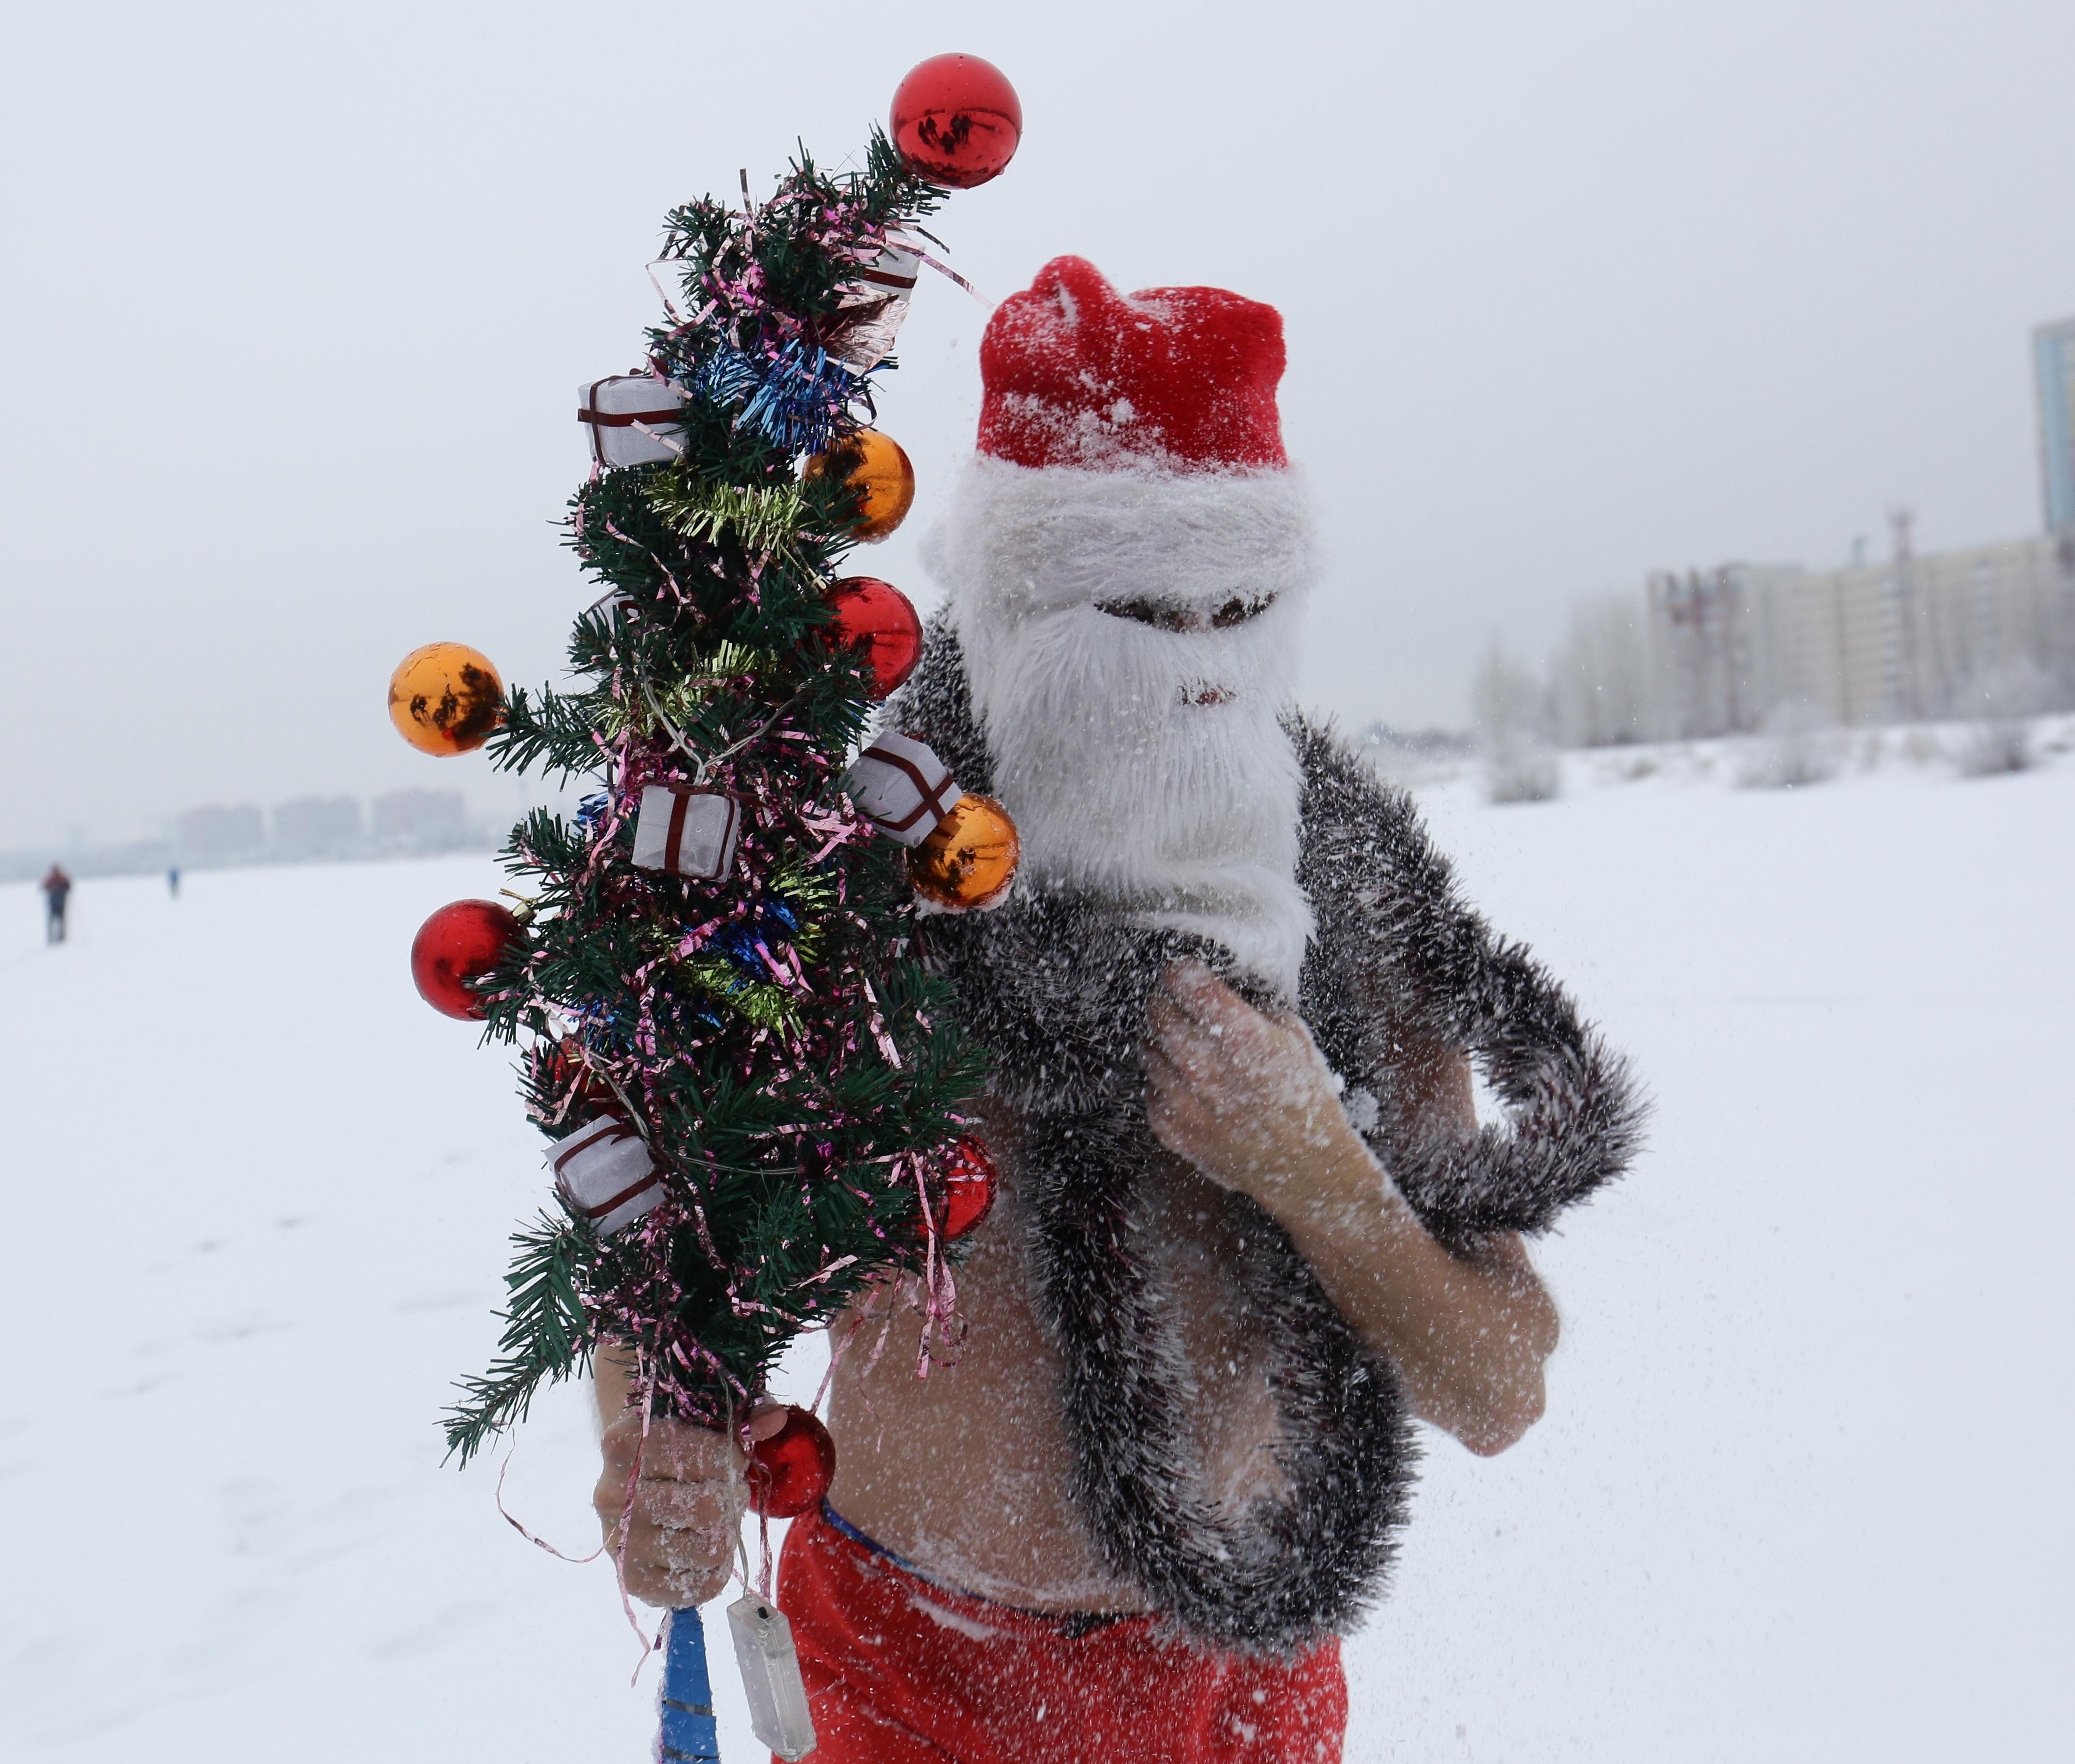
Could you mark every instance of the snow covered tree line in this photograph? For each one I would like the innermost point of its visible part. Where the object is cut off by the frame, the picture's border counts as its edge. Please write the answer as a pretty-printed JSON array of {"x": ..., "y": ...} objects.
[{"x": 1985, "y": 636}]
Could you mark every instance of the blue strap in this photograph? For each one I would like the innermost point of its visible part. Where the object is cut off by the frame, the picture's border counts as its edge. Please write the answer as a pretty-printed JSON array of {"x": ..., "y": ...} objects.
[{"x": 689, "y": 1737}]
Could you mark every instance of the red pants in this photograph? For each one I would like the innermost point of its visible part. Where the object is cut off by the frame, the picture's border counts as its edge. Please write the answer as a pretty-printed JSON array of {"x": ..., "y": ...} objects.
[{"x": 900, "y": 1672}]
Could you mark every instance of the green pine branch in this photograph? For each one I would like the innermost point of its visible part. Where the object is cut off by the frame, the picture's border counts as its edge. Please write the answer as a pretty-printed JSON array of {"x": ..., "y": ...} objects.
[{"x": 546, "y": 1338}]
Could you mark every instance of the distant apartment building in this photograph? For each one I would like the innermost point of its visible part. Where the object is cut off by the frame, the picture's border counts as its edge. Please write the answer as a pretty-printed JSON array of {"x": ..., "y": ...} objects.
[
  {"x": 1955, "y": 633},
  {"x": 220, "y": 835},
  {"x": 1726, "y": 649},
  {"x": 422, "y": 821},
  {"x": 307, "y": 830},
  {"x": 2053, "y": 366},
  {"x": 317, "y": 827}
]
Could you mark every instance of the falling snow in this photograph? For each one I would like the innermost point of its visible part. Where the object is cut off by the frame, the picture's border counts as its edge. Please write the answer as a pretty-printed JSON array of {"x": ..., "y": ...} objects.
[{"x": 1798, "y": 1496}]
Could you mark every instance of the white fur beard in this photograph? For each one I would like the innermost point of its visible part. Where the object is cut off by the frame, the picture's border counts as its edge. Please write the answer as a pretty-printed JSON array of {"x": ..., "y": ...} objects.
[{"x": 1143, "y": 766}]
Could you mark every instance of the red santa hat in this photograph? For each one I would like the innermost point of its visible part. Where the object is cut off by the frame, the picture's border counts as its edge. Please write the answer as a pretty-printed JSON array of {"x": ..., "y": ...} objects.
[
  {"x": 1178, "y": 378},
  {"x": 1130, "y": 445}
]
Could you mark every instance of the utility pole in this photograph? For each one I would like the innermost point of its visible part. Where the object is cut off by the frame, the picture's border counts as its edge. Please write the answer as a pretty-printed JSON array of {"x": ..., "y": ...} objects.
[{"x": 1901, "y": 520}]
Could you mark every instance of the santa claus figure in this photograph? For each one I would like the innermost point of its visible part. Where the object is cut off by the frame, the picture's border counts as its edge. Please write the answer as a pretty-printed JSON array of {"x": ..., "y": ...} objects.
[{"x": 1250, "y": 1225}]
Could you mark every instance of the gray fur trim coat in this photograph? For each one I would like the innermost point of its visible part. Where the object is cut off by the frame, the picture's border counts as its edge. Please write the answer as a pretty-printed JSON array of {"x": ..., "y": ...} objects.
[{"x": 1057, "y": 988}]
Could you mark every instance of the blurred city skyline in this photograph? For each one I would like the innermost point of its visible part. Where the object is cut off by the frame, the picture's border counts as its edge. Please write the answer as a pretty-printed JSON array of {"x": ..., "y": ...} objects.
[
  {"x": 303, "y": 830},
  {"x": 301, "y": 299}
]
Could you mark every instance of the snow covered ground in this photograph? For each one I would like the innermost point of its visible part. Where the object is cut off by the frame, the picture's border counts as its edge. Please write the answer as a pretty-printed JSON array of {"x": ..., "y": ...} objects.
[{"x": 1800, "y": 1493}]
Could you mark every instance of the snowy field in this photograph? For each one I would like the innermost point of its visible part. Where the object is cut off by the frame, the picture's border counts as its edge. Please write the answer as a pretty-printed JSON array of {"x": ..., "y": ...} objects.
[{"x": 1801, "y": 1494}]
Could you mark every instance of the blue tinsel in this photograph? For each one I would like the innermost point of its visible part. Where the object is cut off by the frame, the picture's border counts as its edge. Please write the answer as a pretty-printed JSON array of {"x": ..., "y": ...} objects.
[
  {"x": 611, "y": 1027},
  {"x": 770, "y": 921},
  {"x": 795, "y": 398}
]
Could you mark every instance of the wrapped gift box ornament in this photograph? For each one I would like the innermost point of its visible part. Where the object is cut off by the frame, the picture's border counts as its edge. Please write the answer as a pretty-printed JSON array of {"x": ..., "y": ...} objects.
[
  {"x": 605, "y": 1175},
  {"x": 622, "y": 411},
  {"x": 868, "y": 315},
  {"x": 687, "y": 831},
  {"x": 902, "y": 787}
]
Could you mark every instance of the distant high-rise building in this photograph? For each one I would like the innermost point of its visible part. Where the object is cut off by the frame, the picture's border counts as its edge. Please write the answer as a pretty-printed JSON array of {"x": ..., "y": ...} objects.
[
  {"x": 2053, "y": 362},
  {"x": 1922, "y": 634},
  {"x": 317, "y": 827},
  {"x": 423, "y": 820},
  {"x": 220, "y": 835}
]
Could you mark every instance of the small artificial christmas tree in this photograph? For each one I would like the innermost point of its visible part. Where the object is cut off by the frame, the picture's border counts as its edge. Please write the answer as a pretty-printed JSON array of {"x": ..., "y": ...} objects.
[
  {"x": 753, "y": 1091},
  {"x": 768, "y": 1033}
]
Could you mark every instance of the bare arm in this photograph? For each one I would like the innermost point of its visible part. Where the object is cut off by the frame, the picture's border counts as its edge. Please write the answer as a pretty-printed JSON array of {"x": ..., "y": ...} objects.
[{"x": 1249, "y": 1100}]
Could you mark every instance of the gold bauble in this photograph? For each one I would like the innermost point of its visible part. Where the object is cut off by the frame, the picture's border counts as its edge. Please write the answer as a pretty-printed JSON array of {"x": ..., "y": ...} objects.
[
  {"x": 445, "y": 698},
  {"x": 969, "y": 861},
  {"x": 876, "y": 467}
]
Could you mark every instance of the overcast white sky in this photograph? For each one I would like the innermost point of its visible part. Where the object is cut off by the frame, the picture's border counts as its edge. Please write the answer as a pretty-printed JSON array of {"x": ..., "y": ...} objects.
[{"x": 296, "y": 299}]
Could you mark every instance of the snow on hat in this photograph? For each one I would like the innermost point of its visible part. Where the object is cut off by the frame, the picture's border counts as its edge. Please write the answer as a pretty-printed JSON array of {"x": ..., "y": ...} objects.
[
  {"x": 1129, "y": 447},
  {"x": 1076, "y": 374}
]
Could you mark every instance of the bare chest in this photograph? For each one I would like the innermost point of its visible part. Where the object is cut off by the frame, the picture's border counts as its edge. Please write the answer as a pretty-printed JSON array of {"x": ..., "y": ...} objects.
[{"x": 966, "y": 1472}]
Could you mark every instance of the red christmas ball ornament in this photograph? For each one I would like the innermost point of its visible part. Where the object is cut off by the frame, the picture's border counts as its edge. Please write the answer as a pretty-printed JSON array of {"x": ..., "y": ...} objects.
[
  {"x": 969, "y": 1186},
  {"x": 565, "y": 1069},
  {"x": 459, "y": 943},
  {"x": 956, "y": 121},
  {"x": 878, "y": 614},
  {"x": 790, "y": 1468}
]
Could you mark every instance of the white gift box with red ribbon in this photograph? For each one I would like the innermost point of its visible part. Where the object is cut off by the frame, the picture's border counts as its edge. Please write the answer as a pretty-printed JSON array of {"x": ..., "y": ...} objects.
[
  {"x": 902, "y": 787},
  {"x": 627, "y": 416},
  {"x": 605, "y": 1175},
  {"x": 686, "y": 830},
  {"x": 868, "y": 314}
]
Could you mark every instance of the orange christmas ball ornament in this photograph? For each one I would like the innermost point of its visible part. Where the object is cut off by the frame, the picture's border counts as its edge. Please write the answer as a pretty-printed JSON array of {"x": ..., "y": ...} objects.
[
  {"x": 969, "y": 862},
  {"x": 445, "y": 698},
  {"x": 876, "y": 467},
  {"x": 956, "y": 121}
]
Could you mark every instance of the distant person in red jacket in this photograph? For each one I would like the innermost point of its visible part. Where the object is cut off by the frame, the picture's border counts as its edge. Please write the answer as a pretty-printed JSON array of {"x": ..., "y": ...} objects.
[{"x": 57, "y": 888}]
